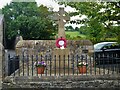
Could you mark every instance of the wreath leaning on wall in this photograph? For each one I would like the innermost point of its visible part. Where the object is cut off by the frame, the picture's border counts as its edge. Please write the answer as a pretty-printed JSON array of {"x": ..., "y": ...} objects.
[{"x": 61, "y": 42}]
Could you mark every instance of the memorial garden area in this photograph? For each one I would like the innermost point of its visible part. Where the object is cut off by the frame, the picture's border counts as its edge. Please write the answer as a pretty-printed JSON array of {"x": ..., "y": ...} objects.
[{"x": 59, "y": 62}]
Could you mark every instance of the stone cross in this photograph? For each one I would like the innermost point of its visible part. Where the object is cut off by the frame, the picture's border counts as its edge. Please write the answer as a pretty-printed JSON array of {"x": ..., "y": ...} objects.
[{"x": 62, "y": 20}]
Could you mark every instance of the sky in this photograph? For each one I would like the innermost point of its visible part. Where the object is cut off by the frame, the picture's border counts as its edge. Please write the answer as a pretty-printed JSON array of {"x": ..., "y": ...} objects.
[{"x": 48, "y": 3}]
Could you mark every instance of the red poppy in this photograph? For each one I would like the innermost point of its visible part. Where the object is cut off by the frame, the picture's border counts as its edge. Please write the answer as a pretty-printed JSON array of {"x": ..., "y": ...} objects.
[{"x": 61, "y": 42}]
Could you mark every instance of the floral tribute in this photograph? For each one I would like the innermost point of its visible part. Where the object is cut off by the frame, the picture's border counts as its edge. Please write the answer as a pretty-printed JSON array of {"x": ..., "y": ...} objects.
[
  {"x": 80, "y": 64},
  {"x": 61, "y": 42},
  {"x": 40, "y": 64}
]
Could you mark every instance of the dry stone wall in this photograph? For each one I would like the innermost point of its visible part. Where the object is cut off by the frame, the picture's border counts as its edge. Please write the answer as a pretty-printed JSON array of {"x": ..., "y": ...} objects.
[
  {"x": 46, "y": 47},
  {"x": 2, "y": 60}
]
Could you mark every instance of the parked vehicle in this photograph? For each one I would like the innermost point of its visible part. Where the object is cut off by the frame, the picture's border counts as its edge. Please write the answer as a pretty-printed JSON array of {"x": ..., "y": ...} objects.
[{"x": 107, "y": 52}]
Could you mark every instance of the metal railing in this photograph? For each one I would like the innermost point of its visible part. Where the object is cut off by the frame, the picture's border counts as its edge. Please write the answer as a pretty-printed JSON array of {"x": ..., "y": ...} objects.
[{"x": 65, "y": 65}]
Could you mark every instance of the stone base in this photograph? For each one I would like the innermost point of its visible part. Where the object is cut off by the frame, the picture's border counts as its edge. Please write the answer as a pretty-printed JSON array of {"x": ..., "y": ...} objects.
[
  {"x": 61, "y": 59},
  {"x": 87, "y": 82}
]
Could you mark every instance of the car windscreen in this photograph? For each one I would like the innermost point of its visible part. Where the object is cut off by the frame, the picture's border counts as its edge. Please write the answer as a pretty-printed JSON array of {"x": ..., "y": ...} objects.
[{"x": 98, "y": 46}]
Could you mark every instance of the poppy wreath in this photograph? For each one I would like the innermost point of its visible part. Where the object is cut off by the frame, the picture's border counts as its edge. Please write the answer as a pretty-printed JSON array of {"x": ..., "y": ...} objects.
[{"x": 60, "y": 39}]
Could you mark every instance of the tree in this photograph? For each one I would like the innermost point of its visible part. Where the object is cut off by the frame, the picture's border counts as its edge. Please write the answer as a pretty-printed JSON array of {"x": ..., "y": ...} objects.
[
  {"x": 101, "y": 18},
  {"x": 76, "y": 29},
  {"x": 69, "y": 28},
  {"x": 32, "y": 21},
  {"x": 0, "y": 11}
]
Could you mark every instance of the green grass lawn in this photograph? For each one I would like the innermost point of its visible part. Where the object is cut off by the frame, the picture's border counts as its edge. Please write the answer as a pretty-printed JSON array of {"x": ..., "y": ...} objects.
[{"x": 74, "y": 34}]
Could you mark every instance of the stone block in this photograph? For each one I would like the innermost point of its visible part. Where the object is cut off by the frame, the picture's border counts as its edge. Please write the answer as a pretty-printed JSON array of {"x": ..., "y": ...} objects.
[{"x": 61, "y": 59}]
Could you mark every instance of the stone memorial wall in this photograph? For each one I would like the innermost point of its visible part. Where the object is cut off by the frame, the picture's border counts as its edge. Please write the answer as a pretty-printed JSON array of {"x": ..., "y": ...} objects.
[{"x": 46, "y": 47}]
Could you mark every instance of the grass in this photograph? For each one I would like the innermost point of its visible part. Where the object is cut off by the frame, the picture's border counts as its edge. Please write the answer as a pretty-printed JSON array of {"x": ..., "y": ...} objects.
[{"x": 74, "y": 34}]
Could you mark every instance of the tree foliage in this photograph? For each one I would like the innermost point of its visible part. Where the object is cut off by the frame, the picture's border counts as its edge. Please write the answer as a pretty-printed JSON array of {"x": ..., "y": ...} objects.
[
  {"x": 69, "y": 28},
  {"x": 32, "y": 21},
  {"x": 102, "y": 18},
  {"x": 0, "y": 11}
]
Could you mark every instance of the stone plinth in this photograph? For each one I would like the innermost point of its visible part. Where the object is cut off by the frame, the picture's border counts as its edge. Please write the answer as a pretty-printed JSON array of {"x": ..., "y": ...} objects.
[{"x": 61, "y": 60}]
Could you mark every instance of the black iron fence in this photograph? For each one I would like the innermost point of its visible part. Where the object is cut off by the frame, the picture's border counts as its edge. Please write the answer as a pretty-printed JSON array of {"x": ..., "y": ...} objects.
[
  {"x": 13, "y": 64},
  {"x": 99, "y": 64}
]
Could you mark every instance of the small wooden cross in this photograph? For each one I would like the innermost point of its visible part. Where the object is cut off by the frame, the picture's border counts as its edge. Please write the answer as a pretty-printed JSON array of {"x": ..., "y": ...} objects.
[{"x": 62, "y": 20}]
